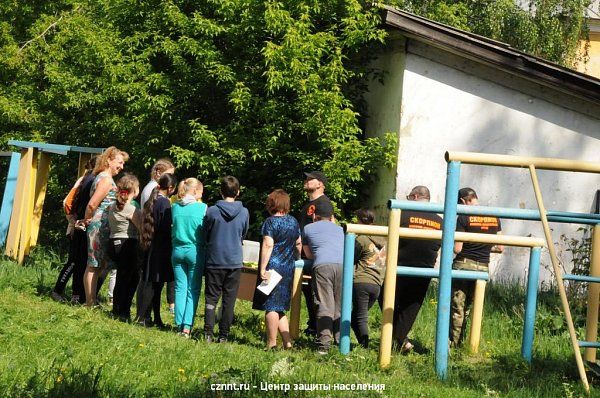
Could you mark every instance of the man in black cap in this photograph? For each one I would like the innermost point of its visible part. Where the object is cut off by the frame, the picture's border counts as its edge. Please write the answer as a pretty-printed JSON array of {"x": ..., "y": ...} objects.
[
  {"x": 471, "y": 257},
  {"x": 314, "y": 185},
  {"x": 323, "y": 242}
]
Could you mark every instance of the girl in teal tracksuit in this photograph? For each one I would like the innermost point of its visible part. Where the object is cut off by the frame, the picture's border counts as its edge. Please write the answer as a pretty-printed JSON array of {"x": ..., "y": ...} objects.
[{"x": 188, "y": 252}]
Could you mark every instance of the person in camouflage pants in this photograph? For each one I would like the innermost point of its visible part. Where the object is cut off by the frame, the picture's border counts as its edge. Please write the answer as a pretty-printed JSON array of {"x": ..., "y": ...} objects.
[{"x": 471, "y": 257}]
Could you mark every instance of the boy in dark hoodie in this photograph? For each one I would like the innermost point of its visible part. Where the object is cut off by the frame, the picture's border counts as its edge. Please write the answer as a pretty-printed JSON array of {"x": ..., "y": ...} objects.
[{"x": 226, "y": 225}]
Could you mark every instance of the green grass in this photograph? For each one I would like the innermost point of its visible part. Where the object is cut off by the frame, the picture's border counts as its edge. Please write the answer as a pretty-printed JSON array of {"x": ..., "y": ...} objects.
[{"x": 58, "y": 350}]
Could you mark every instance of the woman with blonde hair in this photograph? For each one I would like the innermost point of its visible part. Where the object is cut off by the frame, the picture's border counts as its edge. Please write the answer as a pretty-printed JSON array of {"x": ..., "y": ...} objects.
[
  {"x": 103, "y": 193},
  {"x": 160, "y": 167},
  {"x": 188, "y": 252}
]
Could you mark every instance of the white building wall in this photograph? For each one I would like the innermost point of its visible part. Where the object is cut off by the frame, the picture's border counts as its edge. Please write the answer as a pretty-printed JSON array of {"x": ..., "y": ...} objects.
[{"x": 444, "y": 109}]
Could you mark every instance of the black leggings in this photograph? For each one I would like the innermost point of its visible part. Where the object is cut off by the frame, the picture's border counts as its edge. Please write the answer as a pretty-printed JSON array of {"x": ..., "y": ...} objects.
[
  {"x": 364, "y": 296},
  {"x": 148, "y": 301},
  {"x": 171, "y": 292},
  {"x": 75, "y": 266},
  {"x": 125, "y": 254}
]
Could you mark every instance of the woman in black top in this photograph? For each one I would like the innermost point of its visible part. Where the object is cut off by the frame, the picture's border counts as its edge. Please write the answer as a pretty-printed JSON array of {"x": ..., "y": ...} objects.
[
  {"x": 156, "y": 244},
  {"x": 77, "y": 259}
]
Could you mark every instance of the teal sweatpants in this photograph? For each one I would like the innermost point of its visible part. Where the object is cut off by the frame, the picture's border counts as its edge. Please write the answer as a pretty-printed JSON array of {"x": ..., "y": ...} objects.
[{"x": 188, "y": 270}]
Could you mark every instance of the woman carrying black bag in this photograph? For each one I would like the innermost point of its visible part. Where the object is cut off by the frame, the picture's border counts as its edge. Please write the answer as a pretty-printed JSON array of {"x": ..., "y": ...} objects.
[{"x": 77, "y": 259}]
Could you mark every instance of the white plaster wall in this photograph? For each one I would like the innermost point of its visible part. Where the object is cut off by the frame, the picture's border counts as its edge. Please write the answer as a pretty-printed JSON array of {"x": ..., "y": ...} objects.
[{"x": 444, "y": 109}]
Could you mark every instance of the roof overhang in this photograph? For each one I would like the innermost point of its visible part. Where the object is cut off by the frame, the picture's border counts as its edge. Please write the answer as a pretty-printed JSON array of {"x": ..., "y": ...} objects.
[{"x": 493, "y": 53}]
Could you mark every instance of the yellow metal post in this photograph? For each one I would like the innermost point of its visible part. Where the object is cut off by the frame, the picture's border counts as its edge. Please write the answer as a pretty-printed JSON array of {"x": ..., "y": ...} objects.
[
  {"x": 25, "y": 240},
  {"x": 591, "y": 329},
  {"x": 20, "y": 202},
  {"x": 83, "y": 158},
  {"x": 559, "y": 278},
  {"x": 389, "y": 289},
  {"x": 41, "y": 183},
  {"x": 295, "y": 305},
  {"x": 477, "y": 316}
]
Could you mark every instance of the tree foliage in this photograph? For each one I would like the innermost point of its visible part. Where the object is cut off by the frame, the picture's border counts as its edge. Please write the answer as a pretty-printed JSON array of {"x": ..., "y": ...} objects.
[
  {"x": 259, "y": 89},
  {"x": 549, "y": 29}
]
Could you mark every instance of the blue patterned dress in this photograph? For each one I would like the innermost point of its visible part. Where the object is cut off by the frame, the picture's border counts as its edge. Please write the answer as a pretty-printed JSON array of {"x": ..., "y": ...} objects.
[{"x": 285, "y": 231}]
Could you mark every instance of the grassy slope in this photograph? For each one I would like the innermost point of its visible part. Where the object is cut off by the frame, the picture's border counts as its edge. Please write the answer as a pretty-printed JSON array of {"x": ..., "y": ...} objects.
[{"x": 52, "y": 349}]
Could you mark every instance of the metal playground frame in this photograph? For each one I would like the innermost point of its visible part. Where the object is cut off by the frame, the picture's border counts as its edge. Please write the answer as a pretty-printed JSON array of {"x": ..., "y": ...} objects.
[{"x": 448, "y": 236}]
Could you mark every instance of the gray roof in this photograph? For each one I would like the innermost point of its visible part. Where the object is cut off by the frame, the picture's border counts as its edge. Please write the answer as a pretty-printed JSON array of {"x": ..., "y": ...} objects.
[{"x": 494, "y": 53}]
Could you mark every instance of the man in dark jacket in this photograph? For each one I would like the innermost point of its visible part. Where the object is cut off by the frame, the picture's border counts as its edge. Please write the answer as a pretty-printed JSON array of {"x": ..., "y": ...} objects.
[
  {"x": 225, "y": 227},
  {"x": 410, "y": 292}
]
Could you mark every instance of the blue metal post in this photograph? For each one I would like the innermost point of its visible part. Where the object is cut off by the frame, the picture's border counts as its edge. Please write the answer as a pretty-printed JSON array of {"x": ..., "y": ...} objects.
[
  {"x": 448, "y": 229},
  {"x": 347, "y": 277},
  {"x": 9, "y": 196},
  {"x": 530, "y": 303}
]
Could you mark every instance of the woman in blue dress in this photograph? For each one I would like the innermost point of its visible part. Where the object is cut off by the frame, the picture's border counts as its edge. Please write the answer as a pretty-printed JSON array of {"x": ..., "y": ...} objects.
[{"x": 280, "y": 247}]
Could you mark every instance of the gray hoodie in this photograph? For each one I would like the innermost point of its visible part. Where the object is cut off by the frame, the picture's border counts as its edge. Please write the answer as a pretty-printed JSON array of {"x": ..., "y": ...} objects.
[{"x": 226, "y": 225}]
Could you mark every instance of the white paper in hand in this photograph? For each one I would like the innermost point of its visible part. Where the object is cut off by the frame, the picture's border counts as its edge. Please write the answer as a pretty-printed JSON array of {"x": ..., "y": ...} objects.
[{"x": 268, "y": 285}]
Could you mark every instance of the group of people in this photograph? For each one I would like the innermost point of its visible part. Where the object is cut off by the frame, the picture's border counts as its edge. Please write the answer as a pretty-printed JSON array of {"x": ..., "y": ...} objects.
[{"x": 172, "y": 237}]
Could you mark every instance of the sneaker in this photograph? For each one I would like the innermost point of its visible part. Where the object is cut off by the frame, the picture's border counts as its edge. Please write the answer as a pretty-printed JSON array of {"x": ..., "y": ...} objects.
[
  {"x": 75, "y": 300},
  {"x": 184, "y": 335},
  {"x": 172, "y": 310},
  {"x": 57, "y": 297},
  {"x": 323, "y": 351},
  {"x": 310, "y": 331},
  {"x": 222, "y": 339},
  {"x": 209, "y": 338},
  {"x": 146, "y": 323},
  {"x": 406, "y": 347}
]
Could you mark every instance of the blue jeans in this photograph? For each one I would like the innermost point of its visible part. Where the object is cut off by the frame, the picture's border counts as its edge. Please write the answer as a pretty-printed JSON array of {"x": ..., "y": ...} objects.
[{"x": 188, "y": 280}]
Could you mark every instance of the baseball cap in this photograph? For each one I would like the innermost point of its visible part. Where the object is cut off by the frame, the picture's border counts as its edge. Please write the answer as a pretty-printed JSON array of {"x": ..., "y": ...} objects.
[
  {"x": 317, "y": 175},
  {"x": 324, "y": 209}
]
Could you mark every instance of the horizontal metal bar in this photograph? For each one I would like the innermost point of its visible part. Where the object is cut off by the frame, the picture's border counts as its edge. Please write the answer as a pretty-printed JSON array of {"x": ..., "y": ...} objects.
[
  {"x": 301, "y": 263},
  {"x": 54, "y": 148},
  {"x": 581, "y": 278},
  {"x": 86, "y": 149},
  {"x": 492, "y": 159},
  {"x": 364, "y": 229},
  {"x": 435, "y": 273},
  {"x": 501, "y": 212},
  {"x": 430, "y": 234},
  {"x": 588, "y": 344},
  {"x": 571, "y": 214},
  {"x": 573, "y": 220}
]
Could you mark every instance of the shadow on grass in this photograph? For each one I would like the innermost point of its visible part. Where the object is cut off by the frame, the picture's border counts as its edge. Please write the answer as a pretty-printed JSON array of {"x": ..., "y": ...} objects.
[
  {"x": 507, "y": 373},
  {"x": 62, "y": 381}
]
